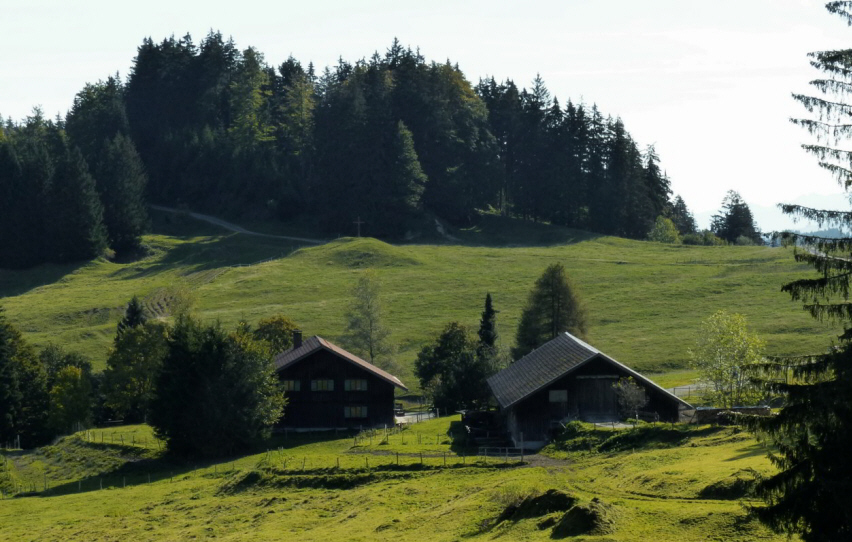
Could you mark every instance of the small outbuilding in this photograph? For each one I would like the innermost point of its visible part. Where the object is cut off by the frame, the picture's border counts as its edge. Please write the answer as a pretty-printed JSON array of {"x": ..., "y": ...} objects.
[
  {"x": 567, "y": 379},
  {"x": 329, "y": 388}
]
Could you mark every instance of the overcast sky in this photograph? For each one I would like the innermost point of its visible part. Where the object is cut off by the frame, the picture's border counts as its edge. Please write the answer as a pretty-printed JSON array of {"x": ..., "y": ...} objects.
[{"x": 708, "y": 83}]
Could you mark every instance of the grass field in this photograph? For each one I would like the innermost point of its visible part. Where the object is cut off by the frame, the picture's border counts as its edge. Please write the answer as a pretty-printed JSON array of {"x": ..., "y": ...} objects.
[
  {"x": 645, "y": 300},
  {"x": 658, "y": 483}
]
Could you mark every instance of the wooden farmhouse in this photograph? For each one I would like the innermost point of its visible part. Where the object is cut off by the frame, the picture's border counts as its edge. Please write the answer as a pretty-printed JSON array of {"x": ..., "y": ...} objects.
[
  {"x": 327, "y": 387},
  {"x": 567, "y": 379}
]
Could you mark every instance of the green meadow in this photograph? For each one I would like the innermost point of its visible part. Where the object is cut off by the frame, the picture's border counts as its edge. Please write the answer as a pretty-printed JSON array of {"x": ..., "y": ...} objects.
[
  {"x": 656, "y": 482},
  {"x": 645, "y": 300}
]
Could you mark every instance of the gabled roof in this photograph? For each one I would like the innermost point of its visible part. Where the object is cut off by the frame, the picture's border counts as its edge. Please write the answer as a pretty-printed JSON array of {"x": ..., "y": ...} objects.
[
  {"x": 315, "y": 343},
  {"x": 550, "y": 362}
]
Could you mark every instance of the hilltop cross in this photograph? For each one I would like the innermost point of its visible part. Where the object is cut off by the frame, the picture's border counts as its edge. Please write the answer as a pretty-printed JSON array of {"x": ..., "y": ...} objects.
[{"x": 358, "y": 223}]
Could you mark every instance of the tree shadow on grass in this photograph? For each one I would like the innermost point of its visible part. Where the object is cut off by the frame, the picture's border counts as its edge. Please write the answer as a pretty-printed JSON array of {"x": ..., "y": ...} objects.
[
  {"x": 14, "y": 282},
  {"x": 203, "y": 254},
  {"x": 752, "y": 450},
  {"x": 493, "y": 230}
]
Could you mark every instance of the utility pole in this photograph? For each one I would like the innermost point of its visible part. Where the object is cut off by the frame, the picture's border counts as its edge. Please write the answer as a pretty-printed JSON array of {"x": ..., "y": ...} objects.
[{"x": 358, "y": 223}]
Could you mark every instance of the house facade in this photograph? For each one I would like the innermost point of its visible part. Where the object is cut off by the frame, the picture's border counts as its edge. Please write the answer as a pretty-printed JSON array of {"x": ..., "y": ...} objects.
[
  {"x": 567, "y": 379},
  {"x": 329, "y": 388}
]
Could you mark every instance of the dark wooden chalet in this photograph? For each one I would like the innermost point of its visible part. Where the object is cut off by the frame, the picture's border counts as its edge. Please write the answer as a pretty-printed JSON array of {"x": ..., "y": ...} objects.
[
  {"x": 328, "y": 387},
  {"x": 567, "y": 379}
]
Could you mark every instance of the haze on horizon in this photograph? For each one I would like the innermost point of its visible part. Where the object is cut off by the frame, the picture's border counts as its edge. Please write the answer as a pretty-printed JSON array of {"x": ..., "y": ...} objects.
[{"x": 708, "y": 84}]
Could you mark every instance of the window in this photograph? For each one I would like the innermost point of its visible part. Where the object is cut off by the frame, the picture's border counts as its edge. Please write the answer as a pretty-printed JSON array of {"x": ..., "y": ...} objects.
[
  {"x": 356, "y": 384},
  {"x": 558, "y": 396},
  {"x": 355, "y": 412},
  {"x": 292, "y": 385},
  {"x": 322, "y": 385}
]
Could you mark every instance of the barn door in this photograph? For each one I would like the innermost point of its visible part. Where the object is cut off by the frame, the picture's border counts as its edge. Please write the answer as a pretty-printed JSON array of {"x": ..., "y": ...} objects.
[{"x": 596, "y": 398}]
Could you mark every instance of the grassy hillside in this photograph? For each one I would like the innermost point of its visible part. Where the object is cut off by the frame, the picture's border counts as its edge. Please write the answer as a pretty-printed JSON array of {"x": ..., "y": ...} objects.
[
  {"x": 658, "y": 483},
  {"x": 645, "y": 300}
]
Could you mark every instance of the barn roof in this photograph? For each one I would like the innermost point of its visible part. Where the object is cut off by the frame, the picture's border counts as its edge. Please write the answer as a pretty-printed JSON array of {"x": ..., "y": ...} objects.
[
  {"x": 550, "y": 362},
  {"x": 315, "y": 343}
]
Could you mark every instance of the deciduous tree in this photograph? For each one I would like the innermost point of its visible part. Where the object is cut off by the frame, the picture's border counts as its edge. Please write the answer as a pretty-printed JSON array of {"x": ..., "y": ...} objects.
[
  {"x": 724, "y": 353},
  {"x": 366, "y": 332},
  {"x": 452, "y": 371},
  {"x": 631, "y": 396},
  {"x": 276, "y": 331},
  {"x": 23, "y": 390},
  {"x": 553, "y": 306},
  {"x": 664, "y": 231},
  {"x": 70, "y": 400},
  {"x": 133, "y": 365}
]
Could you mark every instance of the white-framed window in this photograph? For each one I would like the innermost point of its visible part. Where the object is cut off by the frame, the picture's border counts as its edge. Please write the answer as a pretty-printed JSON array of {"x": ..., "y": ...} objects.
[
  {"x": 558, "y": 396},
  {"x": 355, "y": 384},
  {"x": 292, "y": 385},
  {"x": 322, "y": 385},
  {"x": 354, "y": 412}
]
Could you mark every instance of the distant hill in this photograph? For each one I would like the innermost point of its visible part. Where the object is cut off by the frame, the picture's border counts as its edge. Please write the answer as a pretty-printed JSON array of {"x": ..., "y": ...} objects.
[{"x": 645, "y": 300}]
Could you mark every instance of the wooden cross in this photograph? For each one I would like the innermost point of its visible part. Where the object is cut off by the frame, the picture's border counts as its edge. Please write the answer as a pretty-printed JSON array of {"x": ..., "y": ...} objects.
[{"x": 358, "y": 223}]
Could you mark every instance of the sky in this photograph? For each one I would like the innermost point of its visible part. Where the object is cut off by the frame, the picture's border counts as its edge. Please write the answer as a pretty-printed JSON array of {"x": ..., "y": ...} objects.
[{"x": 707, "y": 83}]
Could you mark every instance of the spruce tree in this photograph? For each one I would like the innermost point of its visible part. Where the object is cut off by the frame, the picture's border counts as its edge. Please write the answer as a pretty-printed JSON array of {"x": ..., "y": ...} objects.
[
  {"x": 488, "y": 325},
  {"x": 811, "y": 495},
  {"x": 76, "y": 231},
  {"x": 735, "y": 223},
  {"x": 682, "y": 217},
  {"x": 121, "y": 182}
]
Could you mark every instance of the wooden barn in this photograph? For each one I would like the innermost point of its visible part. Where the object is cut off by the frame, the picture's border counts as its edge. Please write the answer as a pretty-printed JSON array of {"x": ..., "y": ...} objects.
[
  {"x": 567, "y": 379},
  {"x": 328, "y": 387}
]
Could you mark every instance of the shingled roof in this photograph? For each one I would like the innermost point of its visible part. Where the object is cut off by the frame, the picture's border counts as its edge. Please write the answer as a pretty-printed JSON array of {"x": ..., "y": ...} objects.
[
  {"x": 548, "y": 363},
  {"x": 311, "y": 345}
]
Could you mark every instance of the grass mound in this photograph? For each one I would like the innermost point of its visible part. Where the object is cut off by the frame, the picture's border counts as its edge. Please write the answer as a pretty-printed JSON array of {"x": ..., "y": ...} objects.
[
  {"x": 737, "y": 486},
  {"x": 595, "y": 518},
  {"x": 579, "y": 437},
  {"x": 535, "y": 506},
  {"x": 363, "y": 252}
]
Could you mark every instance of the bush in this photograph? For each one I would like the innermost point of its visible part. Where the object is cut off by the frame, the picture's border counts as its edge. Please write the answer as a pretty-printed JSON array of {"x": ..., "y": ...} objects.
[{"x": 703, "y": 238}]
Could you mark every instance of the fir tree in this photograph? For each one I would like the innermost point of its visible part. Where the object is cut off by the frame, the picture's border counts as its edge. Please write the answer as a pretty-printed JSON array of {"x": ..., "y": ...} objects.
[
  {"x": 811, "y": 495},
  {"x": 76, "y": 231},
  {"x": 214, "y": 396},
  {"x": 121, "y": 181},
  {"x": 134, "y": 316}
]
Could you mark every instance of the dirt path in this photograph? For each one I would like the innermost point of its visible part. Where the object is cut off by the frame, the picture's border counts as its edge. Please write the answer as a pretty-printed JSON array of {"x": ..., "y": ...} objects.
[{"x": 233, "y": 227}]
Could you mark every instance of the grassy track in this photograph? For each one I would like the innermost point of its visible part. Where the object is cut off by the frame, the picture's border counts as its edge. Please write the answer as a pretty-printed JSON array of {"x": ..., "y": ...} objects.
[
  {"x": 647, "y": 487},
  {"x": 645, "y": 300}
]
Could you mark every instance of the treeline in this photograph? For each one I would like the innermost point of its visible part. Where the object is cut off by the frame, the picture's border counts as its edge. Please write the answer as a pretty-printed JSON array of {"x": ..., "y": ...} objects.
[
  {"x": 68, "y": 189},
  {"x": 386, "y": 139},
  {"x": 381, "y": 139}
]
